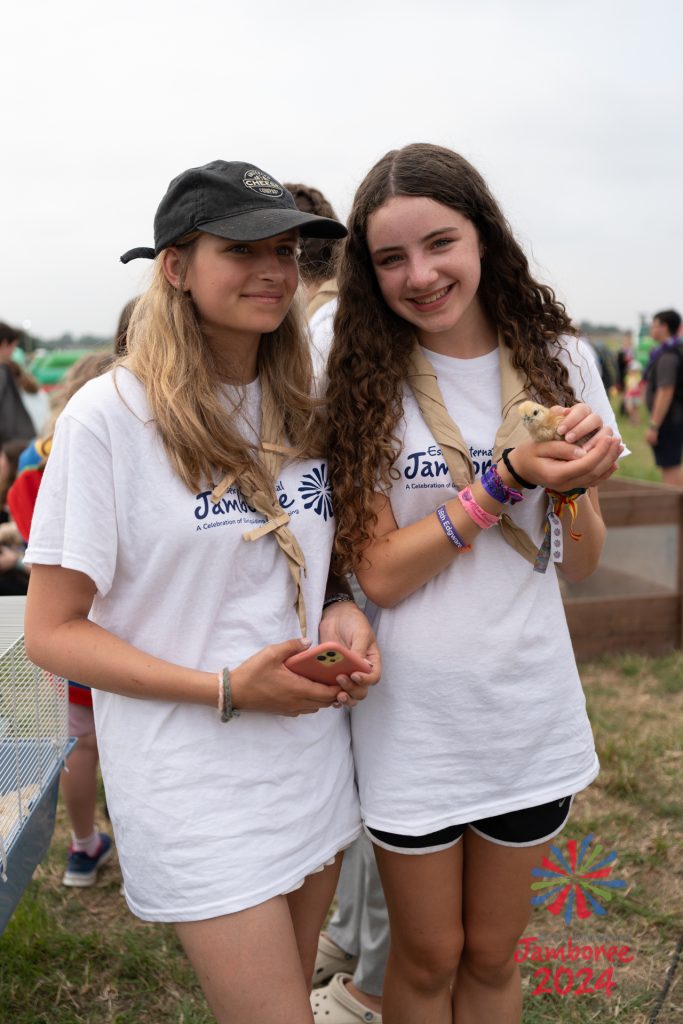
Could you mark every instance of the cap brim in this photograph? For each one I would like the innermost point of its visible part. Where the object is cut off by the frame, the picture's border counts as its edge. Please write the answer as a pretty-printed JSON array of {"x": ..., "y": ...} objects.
[{"x": 258, "y": 224}]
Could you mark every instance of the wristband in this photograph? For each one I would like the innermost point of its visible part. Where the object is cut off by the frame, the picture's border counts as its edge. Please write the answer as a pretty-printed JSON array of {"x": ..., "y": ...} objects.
[
  {"x": 520, "y": 480},
  {"x": 495, "y": 488},
  {"x": 653, "y": 426},
  {"x": 450, "y": 530},
  {"x": 334, "y": 598},
  {"x": 225, "y": 708},
  {"x": 477, "y": 514}
]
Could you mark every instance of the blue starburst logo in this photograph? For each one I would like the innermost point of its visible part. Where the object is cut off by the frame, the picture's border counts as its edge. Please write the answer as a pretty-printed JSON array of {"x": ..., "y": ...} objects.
[{"x": 316, "y": 491}]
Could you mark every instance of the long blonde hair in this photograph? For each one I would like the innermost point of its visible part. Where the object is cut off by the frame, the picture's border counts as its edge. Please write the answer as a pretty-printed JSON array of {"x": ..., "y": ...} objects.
[{"x": 168, "y": 353}]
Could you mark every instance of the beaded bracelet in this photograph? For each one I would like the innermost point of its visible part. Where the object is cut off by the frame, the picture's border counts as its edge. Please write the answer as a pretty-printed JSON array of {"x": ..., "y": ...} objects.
[
  {"x": 450, "y": 530},
  {"x": 493, "y": 484},
  {"x": 477, "y": 514},
  {"x": 520, "y": 480},
  {"x": 225, "y": 708}
]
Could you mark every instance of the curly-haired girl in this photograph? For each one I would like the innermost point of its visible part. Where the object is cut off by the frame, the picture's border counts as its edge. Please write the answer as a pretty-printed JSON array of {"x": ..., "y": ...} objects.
[{"x": 469, "y": 753}]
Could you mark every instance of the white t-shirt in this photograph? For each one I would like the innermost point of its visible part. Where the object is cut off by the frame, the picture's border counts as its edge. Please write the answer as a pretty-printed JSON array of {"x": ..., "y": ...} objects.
[
  {"x": 480, "y": 709},
  {"x": 209, "y": 818},
  {"x": 321, "y": 327}
]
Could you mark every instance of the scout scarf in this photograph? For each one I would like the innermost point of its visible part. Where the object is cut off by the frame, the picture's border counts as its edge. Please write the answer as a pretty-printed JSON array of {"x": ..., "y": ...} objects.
[
  {"x": 272, "y": 453},
  {"x": 326, "y": 293},
  {"x": 423, "y": 381}
]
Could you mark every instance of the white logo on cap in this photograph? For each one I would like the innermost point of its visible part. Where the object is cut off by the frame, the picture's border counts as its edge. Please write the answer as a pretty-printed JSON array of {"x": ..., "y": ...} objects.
[{"x": 261, "y": 183}]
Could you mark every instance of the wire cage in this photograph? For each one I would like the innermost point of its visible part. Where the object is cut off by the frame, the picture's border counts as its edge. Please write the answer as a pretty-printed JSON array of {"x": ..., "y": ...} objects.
[{"x": 34, "y": 742}]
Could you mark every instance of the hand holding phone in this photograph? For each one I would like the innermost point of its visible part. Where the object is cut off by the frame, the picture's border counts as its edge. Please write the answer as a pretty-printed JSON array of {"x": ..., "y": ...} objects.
[{"x": 323, "y": 663}]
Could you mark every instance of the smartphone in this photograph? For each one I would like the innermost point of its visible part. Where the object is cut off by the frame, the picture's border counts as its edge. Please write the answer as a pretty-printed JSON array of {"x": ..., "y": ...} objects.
[{"x": 322, "y": 664}]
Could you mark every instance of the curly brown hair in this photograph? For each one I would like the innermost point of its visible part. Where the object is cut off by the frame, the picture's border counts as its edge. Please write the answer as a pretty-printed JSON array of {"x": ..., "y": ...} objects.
[
  {"x": 372, "y": 344},
  {"x": 317, "y": 256}
]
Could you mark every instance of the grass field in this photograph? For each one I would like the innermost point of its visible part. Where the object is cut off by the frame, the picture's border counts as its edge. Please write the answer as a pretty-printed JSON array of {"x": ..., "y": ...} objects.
[
  {"x": 640, "y": 463},
  {"x": 79, "y": 957}
]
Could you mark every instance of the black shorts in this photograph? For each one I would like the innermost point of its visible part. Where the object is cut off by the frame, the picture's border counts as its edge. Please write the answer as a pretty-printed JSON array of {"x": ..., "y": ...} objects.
[
  {"x": 527, "y": 827},
  {"x": 668, "y": 451}
]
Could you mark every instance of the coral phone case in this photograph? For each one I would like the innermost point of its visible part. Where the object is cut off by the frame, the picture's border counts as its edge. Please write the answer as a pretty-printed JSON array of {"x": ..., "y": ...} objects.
[{"x": 322, "y": 664}]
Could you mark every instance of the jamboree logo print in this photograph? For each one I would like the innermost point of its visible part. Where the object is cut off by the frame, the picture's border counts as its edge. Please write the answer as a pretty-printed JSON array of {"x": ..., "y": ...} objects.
[
  {"x": 574, "y": 885},
  {"x": 316, "y": 492}
]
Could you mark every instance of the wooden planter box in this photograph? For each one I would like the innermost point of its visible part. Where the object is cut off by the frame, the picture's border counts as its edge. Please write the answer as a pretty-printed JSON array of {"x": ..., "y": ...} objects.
[{"x": 633, "y": 601}]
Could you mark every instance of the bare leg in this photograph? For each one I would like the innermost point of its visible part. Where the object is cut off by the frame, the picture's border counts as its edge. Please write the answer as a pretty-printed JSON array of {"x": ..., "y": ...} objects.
[
  {"x": 496, "y": 909},
  {"x": 424, "y": 899},
  {"x": 248, "y": 965},
  {"x": 308, "y": 907},
  {"x": 673, "y": 476},
  {"x": 373, "y": 1003},
  {"x": 79, "y": 786}
]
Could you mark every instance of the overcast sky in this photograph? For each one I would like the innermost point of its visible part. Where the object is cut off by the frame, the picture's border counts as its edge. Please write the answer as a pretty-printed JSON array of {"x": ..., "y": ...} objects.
[{"x": 573, "y": 112}]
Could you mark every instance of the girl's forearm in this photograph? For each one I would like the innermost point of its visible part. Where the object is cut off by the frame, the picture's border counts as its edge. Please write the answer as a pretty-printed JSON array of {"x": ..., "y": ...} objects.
[
  {"x": 60, "y": 638},
  {"x": 581, "y": 557},
  {"x": 83, "y": 651}
]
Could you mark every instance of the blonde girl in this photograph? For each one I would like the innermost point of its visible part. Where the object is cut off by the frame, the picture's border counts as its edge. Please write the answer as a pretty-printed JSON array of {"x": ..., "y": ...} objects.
[{"x": 181, "y": 549}]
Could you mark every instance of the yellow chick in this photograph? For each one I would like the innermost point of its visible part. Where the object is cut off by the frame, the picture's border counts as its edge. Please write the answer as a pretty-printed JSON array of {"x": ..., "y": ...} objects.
[{"x": 541, "y": 423}]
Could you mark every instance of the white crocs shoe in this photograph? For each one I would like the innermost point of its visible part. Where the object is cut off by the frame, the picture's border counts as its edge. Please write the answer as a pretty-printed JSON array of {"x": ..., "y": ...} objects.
[
  {"x": 334, "y": 1004},
  {"x": 330, "y": 959}
]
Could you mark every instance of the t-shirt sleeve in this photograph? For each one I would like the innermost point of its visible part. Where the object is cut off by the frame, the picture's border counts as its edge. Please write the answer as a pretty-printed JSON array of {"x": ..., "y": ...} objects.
[
  {"x": 321, "y": 328},
  {"x": 667, "y": 370},
  {"x": 74, "y": 523}
]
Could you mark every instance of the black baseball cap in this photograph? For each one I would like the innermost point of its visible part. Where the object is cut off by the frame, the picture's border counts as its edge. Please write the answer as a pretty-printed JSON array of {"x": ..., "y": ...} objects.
[{"x": 233, "y": 200}]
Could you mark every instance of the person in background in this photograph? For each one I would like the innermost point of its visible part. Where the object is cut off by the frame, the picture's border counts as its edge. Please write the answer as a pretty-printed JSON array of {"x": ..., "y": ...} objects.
[
  {"x": 663, "y": 378},
  {"x": 357, "y": 936},
  {"x": 13, "y": 572},
  {"x": 632, "y": 396},
  {"x": 10, "y": 454},
  {"x": 121, "y": 336},
  {"x": 317, "y": 257},
  {"x": 624, "y": 357},
  {"x": 317, "y": 262},
  {"x": 15, "y": 421},
  {"x": 90, "y": 849}
]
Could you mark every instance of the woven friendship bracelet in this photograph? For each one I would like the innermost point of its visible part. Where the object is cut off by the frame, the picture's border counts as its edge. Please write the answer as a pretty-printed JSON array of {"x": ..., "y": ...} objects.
[
  {"x": 225, "y": 708},
  {"x": 450, "y": 530},
  {"x": 477, "y": 514},
  {"x": 520, "y": 480},
  {"x": 493, "y": 484},
  {"x": 552, "y": 546},
  {"x": 566, "y": 499}
]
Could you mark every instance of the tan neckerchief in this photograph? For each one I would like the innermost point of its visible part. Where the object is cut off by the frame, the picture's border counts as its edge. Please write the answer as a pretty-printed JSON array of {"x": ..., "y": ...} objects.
[
  {"x": 425, "y": 386},
  {"x": 272, "y": 453},
  {"x": 326, "y": 292}
]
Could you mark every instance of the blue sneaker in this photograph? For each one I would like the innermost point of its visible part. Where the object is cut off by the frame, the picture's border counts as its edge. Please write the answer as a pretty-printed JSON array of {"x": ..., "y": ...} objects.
[{"x": 81, "y": 870}]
